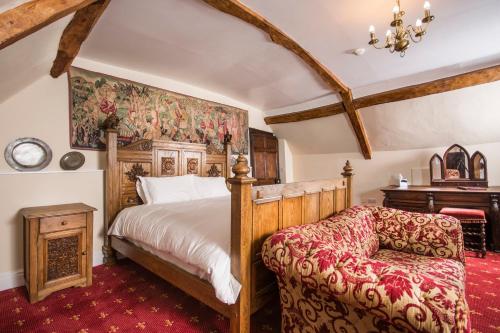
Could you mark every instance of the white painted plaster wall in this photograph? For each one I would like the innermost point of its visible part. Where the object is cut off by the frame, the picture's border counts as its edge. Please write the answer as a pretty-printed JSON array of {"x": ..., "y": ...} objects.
[{"x": 41, "y": 110}]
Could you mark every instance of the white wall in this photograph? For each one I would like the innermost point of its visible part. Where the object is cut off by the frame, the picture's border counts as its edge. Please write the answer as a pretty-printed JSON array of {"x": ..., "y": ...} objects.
[
  {"x": 285, "y": 161},
  {"x": 371, "y": 175},
  {"x": 41, "y": 110}
]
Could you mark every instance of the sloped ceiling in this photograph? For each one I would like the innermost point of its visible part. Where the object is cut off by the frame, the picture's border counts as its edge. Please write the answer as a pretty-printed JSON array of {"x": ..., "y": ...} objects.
[
  {"x": 465, "y": 116},
  {"x": 189, "y": 41},
  {"x": 30, "y": 58}
]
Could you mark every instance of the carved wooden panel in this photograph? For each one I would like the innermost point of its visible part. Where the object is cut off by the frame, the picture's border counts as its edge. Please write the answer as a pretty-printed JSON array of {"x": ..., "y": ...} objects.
[
  {"x": 168, "y": 166},
  {"x": 131, "y": 170},
  {"x": 266, "y": 221},
  {"x": 215, "y": 170},
  {"x": 193, "y": 162},
  {"x": 311, "y": 208},
  {"x": 327, "y": 206},
  {"x": 168, "y": 163},
  {"x": 62, "y": 257},
  {"x": 129, "y": 173},
  {"x": 292, "y": 211},
  {"x": 193, "y": 166}
]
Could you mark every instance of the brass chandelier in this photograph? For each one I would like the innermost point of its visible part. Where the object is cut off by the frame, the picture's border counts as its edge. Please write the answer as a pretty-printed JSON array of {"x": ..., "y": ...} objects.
[{"x": 399, "y": 39}]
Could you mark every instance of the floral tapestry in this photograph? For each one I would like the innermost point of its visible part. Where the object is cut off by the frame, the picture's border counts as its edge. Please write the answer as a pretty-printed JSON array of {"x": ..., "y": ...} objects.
[{"x": 147, "y": 112}]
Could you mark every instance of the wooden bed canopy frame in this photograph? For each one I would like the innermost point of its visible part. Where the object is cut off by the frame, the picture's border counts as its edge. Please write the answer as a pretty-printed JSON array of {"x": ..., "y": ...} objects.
[{"x": 256, "y": 213}]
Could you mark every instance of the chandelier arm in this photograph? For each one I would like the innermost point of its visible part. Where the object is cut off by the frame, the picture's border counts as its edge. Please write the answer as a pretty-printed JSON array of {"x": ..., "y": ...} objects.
[{"x": 414, "y": 39}]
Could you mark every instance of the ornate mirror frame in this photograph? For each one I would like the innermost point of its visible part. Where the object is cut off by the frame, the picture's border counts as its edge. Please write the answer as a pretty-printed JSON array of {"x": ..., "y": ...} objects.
[{"x": 472, "y": 177}]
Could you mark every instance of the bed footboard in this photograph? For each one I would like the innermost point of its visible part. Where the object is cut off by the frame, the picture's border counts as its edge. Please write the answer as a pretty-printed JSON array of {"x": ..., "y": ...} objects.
[{"x": 257, "y": 212}]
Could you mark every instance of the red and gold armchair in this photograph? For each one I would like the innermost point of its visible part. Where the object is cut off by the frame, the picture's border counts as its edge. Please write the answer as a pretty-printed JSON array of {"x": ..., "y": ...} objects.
[{"x": 371, "y": 269}]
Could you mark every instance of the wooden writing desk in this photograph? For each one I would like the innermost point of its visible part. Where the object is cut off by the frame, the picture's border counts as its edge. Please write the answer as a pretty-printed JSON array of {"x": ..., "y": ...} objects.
[{"x": 429, "y": 199}]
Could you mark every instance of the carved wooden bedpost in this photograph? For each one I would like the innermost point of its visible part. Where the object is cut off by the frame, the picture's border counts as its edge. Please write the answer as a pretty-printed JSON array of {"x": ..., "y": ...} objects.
[
  {"x": 348, "y": 174},
  {"x": 241, "y": 237},
  {"x": 228, "y": 150},
  {"x": 110, "y": 193}
]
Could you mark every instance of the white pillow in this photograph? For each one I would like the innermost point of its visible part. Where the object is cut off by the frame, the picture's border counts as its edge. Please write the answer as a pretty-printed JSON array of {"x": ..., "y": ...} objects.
[
  {"x": 168, "y": 189},
  {"x": 210, "y": 187}
]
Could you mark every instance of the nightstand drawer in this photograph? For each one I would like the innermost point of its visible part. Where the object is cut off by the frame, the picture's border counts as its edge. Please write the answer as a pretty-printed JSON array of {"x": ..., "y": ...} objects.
[{"x": 56, "y": 223}]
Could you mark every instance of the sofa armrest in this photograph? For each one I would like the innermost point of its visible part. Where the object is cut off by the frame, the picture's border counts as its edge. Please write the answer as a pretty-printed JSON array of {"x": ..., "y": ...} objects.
[{"x": 432, "y": 235}]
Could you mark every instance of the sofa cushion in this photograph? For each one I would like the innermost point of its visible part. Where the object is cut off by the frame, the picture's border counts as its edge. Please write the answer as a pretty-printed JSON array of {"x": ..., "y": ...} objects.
[
  {"x": 357, "y": 225},
  {"x": 432, "y": 235},
  {"x": 421, "y": 284}
]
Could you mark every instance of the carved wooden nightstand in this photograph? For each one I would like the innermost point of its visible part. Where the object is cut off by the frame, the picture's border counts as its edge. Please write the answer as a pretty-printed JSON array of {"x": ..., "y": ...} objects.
[{"x": 57, "y": 248}]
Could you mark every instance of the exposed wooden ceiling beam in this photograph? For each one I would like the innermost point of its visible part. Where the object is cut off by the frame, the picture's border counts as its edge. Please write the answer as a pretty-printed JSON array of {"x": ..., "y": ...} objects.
[
  {"x": 460, "y": 81},
  {"x": 75, "y": 34},
  {"x": 32, "y": 16},
  {"x": 237, "y": 9},
  {"x": 357, "y": 125},
  {"x": 319, "y": 112},
  {"x": 481, "y": 76}
]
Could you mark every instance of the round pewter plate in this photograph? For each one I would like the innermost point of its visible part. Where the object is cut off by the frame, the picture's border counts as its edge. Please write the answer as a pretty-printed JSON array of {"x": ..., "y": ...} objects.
[
  {"x": 28, "y": 154},
  {"x": 72, "y": 160}
]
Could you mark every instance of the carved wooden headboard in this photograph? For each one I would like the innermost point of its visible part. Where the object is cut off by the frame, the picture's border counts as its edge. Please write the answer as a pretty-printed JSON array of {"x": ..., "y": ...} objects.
[{"x": 156, "y": 158}]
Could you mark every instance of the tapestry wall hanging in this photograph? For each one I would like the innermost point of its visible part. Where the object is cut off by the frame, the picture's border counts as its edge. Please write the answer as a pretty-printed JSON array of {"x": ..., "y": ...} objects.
[{"x": 147, "y": 112}]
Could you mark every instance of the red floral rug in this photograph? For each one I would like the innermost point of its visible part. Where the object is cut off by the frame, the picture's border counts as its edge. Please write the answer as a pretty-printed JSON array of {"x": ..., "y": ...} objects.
[{"x": 127, "y": 298}]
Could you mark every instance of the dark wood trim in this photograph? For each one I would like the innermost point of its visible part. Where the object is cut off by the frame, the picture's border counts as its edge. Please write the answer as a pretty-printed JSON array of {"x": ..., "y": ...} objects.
[
  {"x": 252, "y": 157},
  {"x": 319, "y": 112},
  {"x": 469, "y": 79},
  {"x": 31, "y": 16},
  {"x": 75, "y": 33}
]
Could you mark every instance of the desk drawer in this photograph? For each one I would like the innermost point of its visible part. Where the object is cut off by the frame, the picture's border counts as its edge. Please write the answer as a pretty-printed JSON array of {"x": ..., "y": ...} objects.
[{"x": 64, "y": 222}]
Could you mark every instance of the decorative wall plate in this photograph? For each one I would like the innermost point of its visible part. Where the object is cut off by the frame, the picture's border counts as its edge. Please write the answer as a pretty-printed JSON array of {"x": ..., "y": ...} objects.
[
  {"x": 72, "y": 160},
  {"x": 28, "y": 154}
]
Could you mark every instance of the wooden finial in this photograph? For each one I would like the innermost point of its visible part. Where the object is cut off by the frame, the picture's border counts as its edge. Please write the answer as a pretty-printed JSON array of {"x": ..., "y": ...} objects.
[
  {"x": 227, "y": 137},
  {"x": 241, "y": 168},
  {"x": 347, "y": 169},
  {"x": 111, "y": 122}
]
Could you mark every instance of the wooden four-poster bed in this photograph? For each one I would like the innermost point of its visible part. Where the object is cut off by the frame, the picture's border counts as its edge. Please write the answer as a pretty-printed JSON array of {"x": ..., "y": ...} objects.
[{"x": 256, "y": 212}]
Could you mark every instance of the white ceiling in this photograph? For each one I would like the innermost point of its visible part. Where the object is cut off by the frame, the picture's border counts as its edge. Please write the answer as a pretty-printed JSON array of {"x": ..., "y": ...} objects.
[{"x": 189, "y": 41}]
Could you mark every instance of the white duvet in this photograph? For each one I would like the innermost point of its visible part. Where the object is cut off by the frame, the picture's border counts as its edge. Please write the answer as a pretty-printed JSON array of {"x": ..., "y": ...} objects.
[{"x": 195, "y": 233}]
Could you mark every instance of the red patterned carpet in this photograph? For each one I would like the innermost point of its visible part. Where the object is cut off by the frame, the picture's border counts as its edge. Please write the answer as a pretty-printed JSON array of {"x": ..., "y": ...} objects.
[{"x": 126, "y": 298}]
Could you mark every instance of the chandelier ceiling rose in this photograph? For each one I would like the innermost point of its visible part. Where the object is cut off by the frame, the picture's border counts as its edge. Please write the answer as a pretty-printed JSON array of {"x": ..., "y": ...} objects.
[{"x": 398, "y": 40}]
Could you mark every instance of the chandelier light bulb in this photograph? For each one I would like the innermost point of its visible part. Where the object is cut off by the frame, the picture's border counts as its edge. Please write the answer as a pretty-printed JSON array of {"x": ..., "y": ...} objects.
[
  {"x": 371, "y": 29},
  {"x": 395, "y": 9},
  {"x": 388, "y": 33},
  {"x": 427, "y": 5},
  {"x": 418, "y": 23}
]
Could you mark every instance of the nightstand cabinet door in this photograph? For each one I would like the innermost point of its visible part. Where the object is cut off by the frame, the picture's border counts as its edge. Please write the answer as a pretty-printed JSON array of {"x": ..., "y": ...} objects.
[{"x": 62, "y": 258}]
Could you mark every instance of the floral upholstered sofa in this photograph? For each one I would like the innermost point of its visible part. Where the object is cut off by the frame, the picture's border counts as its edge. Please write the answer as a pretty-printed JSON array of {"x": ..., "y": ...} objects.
[{"x": 371, "y": 269}]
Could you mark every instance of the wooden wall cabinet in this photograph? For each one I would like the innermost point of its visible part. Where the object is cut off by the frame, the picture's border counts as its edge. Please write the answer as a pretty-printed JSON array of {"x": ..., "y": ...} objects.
[{"x": 57, "y": 248}]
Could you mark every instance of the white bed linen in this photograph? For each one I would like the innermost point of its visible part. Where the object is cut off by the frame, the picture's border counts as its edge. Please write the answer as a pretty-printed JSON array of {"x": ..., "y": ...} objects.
[{"x": 197, "y": 233}]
